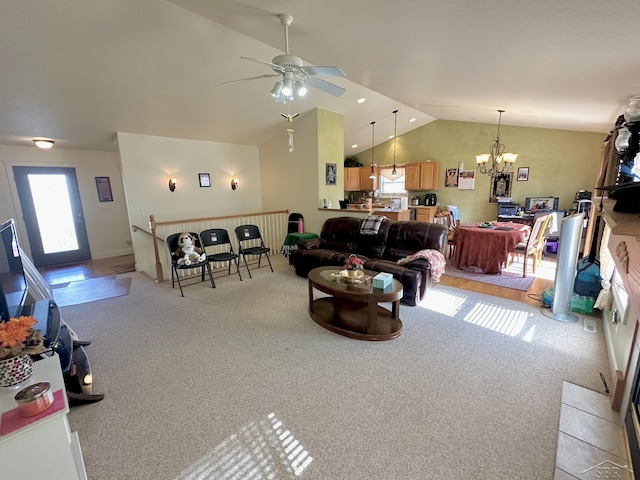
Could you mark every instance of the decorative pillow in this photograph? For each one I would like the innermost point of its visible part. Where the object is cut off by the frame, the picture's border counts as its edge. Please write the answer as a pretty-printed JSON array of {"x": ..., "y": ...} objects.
[{"x": 434, "y": 257}]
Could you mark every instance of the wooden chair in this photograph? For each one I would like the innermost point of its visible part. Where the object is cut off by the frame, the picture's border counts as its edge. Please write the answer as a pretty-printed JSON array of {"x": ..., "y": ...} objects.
[
  {"x": 534, "y": 245},
  {"x": 445, "y": 217}
]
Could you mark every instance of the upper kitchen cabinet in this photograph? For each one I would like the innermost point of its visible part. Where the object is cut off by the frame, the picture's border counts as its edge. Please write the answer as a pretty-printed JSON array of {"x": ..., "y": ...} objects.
[
  {"x": 352, "y": 179},
  {"x": 422, "y": 176},
  {"x": 368, "y": 184}
]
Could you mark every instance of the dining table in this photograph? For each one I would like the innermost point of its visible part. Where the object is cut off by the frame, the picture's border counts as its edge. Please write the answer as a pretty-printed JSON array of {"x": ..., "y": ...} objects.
[{"x": 486, "y": 245}]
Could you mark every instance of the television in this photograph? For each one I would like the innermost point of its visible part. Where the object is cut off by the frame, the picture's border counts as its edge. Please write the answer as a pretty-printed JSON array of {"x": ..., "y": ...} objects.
[{"x": 13, "y": 283}]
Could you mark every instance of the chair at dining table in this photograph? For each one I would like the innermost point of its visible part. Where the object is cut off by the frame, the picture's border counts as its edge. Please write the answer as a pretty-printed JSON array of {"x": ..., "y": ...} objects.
[
  {"x": 534, "y": 245},
  {"x": 451, "y": 219}
]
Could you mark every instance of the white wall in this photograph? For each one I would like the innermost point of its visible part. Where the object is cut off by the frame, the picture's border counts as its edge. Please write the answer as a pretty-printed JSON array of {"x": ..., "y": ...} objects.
[
  {"x": 296, "y": 180},
  {"x": 147, "y": 164},
  {"x": 106, "y": 222}
]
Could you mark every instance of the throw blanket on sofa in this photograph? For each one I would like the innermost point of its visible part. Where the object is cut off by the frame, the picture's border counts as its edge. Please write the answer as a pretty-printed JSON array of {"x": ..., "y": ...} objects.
[
  {"x": 371, "y": 224},
  {"x": 434, "y": 257}
]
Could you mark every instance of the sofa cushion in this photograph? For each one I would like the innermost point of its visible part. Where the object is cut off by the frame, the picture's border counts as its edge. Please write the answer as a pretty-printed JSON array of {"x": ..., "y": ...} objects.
[{"x": 406, "y": 238}]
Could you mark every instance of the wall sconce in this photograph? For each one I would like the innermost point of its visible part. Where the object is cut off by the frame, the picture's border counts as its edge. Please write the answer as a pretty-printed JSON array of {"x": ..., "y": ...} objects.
[
  {"x": 172, "y": 184},
  {"x": 234, "y": 183}
]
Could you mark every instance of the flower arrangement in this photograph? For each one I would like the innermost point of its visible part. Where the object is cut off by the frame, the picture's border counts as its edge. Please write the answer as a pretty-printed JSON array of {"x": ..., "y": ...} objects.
[
  {"x": 17, "y": 338},
  {"x": 354, "y": 263}
]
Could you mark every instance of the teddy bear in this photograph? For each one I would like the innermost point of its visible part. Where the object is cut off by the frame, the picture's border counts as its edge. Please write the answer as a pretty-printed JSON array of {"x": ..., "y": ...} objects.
[{"x": 187, "y": 252}]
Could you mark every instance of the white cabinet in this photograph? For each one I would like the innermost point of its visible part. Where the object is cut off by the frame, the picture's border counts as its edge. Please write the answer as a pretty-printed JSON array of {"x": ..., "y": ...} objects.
[{"x": 45, "y": 448}]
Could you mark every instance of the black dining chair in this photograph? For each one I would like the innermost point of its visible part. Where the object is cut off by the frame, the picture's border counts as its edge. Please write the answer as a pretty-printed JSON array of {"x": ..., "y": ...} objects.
[
  {"x": 172, "y": 245},
  {"x": 217, "y": 239},
  {"x": 250, "y": 243}
]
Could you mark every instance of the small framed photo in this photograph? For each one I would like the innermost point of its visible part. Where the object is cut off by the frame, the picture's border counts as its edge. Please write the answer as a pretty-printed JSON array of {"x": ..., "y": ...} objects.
[
  {"x": 523, "y": 174},
  {"x": 331, "y": 169},
  {"x": 451, "y": 178},
  {"x": 204, "y": 179},
  {"x": 104, "y": 189}
]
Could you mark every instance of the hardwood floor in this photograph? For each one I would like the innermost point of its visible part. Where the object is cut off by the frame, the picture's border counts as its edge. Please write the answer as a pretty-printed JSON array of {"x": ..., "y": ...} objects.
[
  {"x": 545, "y": 276},
  {"x": 85, "y": 270}
]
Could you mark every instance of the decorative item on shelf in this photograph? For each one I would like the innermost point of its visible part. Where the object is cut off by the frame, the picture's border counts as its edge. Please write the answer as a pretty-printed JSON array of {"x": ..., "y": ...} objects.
[
  {"x": 500, "y": 162},
  {"x": 34, "y": 399},
  {"x": 17, "y": 342},
  {"x": 354, "y": 266}
]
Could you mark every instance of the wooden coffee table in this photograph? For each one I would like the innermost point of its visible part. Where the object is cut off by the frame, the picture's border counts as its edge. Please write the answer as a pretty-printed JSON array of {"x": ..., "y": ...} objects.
[{"x": 352, "y": 309}]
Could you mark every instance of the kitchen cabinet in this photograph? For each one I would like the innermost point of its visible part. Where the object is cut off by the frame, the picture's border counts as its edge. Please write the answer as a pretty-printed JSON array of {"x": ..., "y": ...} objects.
[
  {"x": 352, "y": 179},
  {"x": 425, "y": 214},
  {"x": 394, "y": 216},
  {"x": 368, "y": 184},
  {"x": 422, "y": 176}
]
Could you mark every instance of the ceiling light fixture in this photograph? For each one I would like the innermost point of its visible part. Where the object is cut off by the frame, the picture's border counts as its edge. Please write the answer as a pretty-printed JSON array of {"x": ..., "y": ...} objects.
[
  {"x": 500, "y": 162},
  {"x": 361, "y": 100},
  {"x": 373, "y": 143},
  {"x": 287, "y": 84},
  {"x": 277, "y": 89},
  {"x": 301, "y": 88},
  {"x": 394, "y": 173},
  {"x": 43, "y": 143}
]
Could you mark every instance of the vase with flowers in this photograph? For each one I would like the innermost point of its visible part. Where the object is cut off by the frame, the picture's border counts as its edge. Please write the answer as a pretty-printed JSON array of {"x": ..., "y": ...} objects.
[
  {"x": 354, "y": 266},
  {"x": 18, "y": 340}
]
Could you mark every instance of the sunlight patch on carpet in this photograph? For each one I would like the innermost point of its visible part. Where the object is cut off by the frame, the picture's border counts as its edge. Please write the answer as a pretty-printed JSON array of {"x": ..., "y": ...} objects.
[
  {"x": 445, "y": 302},
  {"x": 258, "y": 451},
  {"x": 499, "y": 319}
]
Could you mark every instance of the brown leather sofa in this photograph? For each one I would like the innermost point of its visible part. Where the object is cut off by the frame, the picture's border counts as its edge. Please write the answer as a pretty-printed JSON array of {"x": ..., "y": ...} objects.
[{"x": 341, "y": 237}]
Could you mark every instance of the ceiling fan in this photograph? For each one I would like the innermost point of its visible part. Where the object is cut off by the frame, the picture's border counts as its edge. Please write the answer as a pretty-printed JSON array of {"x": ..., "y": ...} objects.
[{"x": 294, "y": 76}]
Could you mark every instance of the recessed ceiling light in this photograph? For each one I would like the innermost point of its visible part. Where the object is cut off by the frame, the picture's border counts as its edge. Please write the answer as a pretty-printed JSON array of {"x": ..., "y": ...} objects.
[
  {"x": 361, "y": 100},
  {"x": 355, "y": 145},
  {"x": 411, "y": 120},
  {"x": 390, "y": 136},
  {"x": 43, "y": 142}
]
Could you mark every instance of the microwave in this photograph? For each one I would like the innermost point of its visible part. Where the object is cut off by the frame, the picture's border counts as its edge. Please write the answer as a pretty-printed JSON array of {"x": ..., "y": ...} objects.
[{"x": 508, "y": 209}]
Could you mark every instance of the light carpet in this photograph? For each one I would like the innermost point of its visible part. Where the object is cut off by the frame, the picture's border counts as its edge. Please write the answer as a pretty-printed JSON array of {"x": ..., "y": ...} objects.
[
  {"x": 511, "y": 276},
  {"x": 90, "y": 290},
  {"x": 239, "y": 382}
]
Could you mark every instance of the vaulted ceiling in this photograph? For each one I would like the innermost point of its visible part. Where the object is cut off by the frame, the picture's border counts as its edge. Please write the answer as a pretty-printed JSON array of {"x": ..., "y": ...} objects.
[{"x": 78, "y": 71}]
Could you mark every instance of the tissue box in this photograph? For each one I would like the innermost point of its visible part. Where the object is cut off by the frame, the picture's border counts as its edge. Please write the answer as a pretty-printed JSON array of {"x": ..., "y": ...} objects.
[{"x": 382, "y": 280}]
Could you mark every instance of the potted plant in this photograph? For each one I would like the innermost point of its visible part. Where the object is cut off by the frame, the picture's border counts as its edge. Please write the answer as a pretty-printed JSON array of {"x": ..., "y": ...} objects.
[
  {"x": 354, "y": 266},
  {"x": 18, "y": 340},
  {"x": 352, "y": 161}
]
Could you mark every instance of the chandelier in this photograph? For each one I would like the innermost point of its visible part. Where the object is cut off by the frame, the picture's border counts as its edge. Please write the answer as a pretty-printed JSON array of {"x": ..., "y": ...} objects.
[{"x": 500, "y": 162}]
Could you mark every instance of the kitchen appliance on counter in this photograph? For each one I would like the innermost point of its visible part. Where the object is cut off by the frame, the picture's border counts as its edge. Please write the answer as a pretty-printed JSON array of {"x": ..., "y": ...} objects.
[
  {"x": 430, "y": 200},
  {"x": 415, "y": 200}
]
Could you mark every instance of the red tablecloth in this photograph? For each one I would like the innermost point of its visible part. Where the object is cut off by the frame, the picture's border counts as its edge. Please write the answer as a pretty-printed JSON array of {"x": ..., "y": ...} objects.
[{"x": 487, "y": 248}]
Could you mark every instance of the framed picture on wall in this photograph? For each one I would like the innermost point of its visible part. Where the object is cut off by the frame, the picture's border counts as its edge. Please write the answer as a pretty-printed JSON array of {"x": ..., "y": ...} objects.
[
  {"x": 451, "y": 178},
  {"x": 331, "y": 171},
  {"x": 204, "y": 179},
  {"x": 523, "y": 174},
  {"x": 500, "y": 186},
  {"x": 104, "y": 189}
]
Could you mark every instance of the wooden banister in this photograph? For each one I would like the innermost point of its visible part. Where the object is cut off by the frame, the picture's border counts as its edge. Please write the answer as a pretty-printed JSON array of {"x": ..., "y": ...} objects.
[{"x": 153, "y": 226}]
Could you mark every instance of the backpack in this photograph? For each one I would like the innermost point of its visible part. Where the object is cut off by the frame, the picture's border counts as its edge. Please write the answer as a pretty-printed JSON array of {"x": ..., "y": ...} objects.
[{"x": 587, "y": 281}]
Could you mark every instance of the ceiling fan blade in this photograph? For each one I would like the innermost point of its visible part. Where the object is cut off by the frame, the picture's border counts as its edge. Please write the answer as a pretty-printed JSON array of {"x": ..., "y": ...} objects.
[
  {"x": 330, "y": 88},
  {"x": 267, "y": 75},
  {"x": 264, "y": 62},
  {"x": 324, "y": 71}
]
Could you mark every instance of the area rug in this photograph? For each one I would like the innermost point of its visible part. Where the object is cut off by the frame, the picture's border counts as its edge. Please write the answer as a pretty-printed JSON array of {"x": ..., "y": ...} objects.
[
  {"x": 126, "y": 268},
  {"x": 91, "y": 290},
  {"x": 511, "y": 277}
]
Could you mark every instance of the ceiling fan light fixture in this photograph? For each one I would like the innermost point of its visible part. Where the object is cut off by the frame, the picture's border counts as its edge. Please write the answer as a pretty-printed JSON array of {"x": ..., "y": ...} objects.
[
  {"x": 277, "y": 89},
  {"x": 287, "y": 85},
  {"x": 301, "y": 88}
]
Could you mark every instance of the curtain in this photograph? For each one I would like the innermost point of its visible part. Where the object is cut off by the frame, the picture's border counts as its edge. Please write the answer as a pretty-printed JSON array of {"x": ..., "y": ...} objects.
[{"x": 386, "y": 172}]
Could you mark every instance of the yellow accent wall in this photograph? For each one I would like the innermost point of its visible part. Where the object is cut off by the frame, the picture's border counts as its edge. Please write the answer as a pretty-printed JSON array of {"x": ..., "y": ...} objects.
[{"x": 560, "y": 162}]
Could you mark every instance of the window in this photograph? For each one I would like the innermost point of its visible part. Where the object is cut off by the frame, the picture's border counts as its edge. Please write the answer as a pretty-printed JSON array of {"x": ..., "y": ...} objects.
[{"x": 391, "y": 186}]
